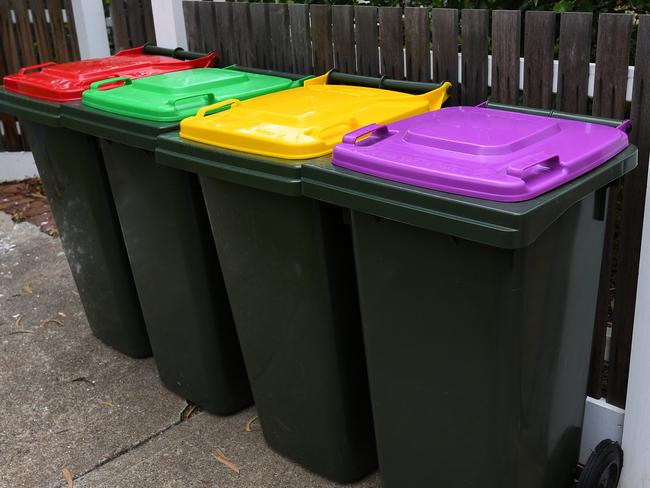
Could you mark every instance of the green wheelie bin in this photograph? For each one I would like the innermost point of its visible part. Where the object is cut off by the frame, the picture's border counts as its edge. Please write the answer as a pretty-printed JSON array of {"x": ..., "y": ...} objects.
[
  {"x": 287, "y": 260},
  {"x": 478, "y": 234},
  {"x": 165, "y": 225},
  {"x": 71, "y": 168}
]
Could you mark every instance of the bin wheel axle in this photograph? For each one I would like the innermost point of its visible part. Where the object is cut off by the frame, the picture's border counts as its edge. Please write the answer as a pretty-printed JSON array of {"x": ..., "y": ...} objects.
[{"x": 603, "y": 468}]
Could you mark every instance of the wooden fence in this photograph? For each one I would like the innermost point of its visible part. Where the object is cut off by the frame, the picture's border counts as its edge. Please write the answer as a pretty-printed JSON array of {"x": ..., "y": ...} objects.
[
  {"x": 480, "y": 52},
  {"x": 32, "y": 32},
  {"x": 132, "y": 23}
]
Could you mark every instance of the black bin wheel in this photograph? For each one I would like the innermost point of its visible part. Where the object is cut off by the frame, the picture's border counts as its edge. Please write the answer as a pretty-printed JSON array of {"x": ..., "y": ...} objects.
[{"x": 603, "y": 468}]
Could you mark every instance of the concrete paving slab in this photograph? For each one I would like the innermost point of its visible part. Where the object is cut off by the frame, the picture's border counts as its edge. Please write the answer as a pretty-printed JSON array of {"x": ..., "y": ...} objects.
[
  {"x": 184, "y": 456},
  {"x": 66, "y": 399}
]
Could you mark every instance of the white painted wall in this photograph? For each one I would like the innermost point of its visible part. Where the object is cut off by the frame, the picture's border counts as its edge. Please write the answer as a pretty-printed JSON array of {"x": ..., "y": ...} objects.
[
  {"x": 602, "y": 421},
  {"x": 636, "y": 435},
  {"x": 17, "y": 166},
  {"x": 169, "y": 23},
  {"x": 91, "y": 28}
]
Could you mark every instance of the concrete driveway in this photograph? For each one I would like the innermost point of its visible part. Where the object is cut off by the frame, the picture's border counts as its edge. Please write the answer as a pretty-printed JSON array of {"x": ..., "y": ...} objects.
[{"x": 73, "y": 408}]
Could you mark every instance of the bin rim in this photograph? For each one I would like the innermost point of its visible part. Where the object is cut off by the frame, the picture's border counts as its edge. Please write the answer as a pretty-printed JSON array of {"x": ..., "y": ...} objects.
[
  {"x": 118, "y": 128},
  {"x": 31, "y": 109},
  {"x": 509, "y": 225},
  {"x": 261, "y": 172}
]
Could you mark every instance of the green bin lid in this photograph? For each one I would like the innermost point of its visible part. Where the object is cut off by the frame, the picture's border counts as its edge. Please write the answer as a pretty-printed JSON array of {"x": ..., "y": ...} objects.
[{"x": 174, "y": 96}]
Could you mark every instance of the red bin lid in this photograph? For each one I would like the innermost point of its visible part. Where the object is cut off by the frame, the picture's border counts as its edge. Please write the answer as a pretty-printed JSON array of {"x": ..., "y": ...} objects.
[{"x": 66, "y": 82}]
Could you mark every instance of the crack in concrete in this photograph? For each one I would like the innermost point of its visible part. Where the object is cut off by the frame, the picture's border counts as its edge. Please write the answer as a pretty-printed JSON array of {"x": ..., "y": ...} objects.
[
  {"x": 186, "y": 414},
  {"x": 123, "y": 451}
]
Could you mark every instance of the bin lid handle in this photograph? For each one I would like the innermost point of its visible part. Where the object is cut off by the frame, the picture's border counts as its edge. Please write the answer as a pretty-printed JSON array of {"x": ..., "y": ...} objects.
[
  {"x": 208, "y": 108},
  {"x": 173, "y": 101},
  {"x": 381, "y": 131},
  {"x": 625, "y": 126},
  {"x": 522, "y": 169},
  {"x": 97, "y": 84},
  {"x": 25, "y": 69}
]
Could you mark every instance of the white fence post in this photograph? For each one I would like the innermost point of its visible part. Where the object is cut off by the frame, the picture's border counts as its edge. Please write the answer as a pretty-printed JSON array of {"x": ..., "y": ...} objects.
[
  {"x": 636, "y": 432},
  {"x": 169, "y": 23},
  {"x": 90, "y": 25}
]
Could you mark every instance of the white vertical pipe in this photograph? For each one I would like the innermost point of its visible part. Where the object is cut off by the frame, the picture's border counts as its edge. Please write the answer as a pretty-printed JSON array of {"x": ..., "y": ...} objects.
[
  {"x": 636, "y": 433},
  {"x": 90, "y": 25},
  {"x": 169, "y": 23}
]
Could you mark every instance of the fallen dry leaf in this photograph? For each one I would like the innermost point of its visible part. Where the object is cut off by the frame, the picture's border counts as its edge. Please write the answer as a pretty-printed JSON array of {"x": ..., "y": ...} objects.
[
  {"x": 219, "y": 455},
  {"x": 83, "y": 379},
  {"x": 189, "y": 411},
  {"x": 249, "y": 424},
  {"x": 107, "y": 404},
  {"x": 51, "y": 321},
  {"x": 69, "y": 479},
  {"x": 28, "y": 289},
  {"x": 17, "y": 323}
]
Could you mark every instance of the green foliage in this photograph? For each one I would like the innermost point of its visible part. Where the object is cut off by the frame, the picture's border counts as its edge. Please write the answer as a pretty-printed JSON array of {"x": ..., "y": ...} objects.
[{"x": 596, "y": 6}]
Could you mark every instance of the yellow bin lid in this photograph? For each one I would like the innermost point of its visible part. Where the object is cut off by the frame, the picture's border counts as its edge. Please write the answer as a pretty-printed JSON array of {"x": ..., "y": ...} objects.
[{"x": 304, "y": 122}]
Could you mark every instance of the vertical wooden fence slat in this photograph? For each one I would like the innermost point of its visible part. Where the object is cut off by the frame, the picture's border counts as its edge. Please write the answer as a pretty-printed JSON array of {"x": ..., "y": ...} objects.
[
  {"x": 634, "y": 191},
  {"x": 343, "y": 37},
  {"x": 192, "y": 24},
  {"x": 41, "y": 31},
  {"x": 135, "y": 23},
  {"x": 474, "y": 29},
  {"x": 506, "y": 42},
  {"x": 203, "y": 17},
  {"x": 24, "y": 34},
  {"x": 12, "y": 60},
  {"x": 11, "y": 140},
  {"x": 539, "y": 46},
  {"x": 280, "y": 42},
  {"x": 612, "y": 55},
  {"x": 224, "y": 29},
  {"x": 610, "y": 84},
  {"x": 300, "y": 38},
  {"x": 3, "y": 117},
  {"x": 147, "y": 19},
  {"x": 203, "y": 24},
  {"x": 120, "y": 29},
  {"x": 3, "y": 62},
  {"x": 391, "y": 42},
  {"x": 417, "y": 37},
  {"x": 242, "y": 34},
  {"x": 575, "y": 53},
  {"x": 444, "y": 44},
  {"x": 208, "y": 41},
  {"x": 365, "y": 35},
  {"x": 260, "y": 26},
  {"x": 74, "y": 40},
  {"x": 321, "y": 37},
  {"x": 11, "y": 64},
  {"x": 59, "y": 35}
]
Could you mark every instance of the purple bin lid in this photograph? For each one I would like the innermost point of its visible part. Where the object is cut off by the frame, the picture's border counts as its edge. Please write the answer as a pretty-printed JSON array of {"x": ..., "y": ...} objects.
[{"x": 480, "y": 152}]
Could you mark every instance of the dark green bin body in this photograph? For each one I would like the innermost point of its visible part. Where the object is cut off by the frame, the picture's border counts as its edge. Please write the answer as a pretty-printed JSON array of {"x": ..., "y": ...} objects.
[
  {"x": 174, "y": 262},
  {"x": 477, "y": 323},
  {"x": 72, "y": 170},
  {"x": 288, "y": 266}
]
